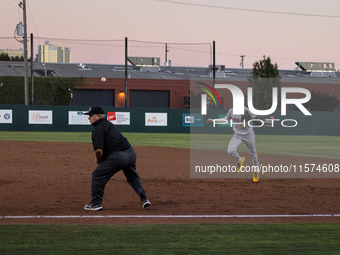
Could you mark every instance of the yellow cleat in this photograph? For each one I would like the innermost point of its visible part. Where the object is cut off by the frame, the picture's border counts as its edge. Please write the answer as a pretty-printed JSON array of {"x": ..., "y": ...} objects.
[
  {"x": 240, "y": 164},
  {"x": 256, "y": 176}
]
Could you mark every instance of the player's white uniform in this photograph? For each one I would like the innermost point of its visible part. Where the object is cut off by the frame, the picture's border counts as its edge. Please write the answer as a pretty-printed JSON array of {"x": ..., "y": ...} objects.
[{"x": 242, "y": 133}]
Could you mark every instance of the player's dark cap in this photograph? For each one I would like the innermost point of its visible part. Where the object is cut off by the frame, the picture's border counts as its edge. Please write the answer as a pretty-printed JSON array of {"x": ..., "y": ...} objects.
[{"x": 95, "y": 110}]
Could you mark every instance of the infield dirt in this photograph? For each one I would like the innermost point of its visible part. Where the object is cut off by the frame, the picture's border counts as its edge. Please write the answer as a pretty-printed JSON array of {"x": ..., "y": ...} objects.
[{"x": 44, "y": 178}]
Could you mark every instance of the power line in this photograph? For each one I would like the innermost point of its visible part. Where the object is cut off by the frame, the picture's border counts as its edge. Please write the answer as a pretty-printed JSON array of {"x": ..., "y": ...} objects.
[
  {"x": 29, "y": 9},
  {"x": 249, "y": 10},
  {"x": 84, "y": 41},
  {"x": 198, "y": 51},
  {"x": 110, "y": 40},
  {"x": 80, "y": 40},
  {"x": 169, "y": 43}
]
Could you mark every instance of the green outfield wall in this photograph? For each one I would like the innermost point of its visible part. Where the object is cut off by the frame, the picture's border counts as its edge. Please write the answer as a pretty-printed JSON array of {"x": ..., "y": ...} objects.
[
  {"x": 59, "y": 118},
  {"x": 158, "y": 120}
]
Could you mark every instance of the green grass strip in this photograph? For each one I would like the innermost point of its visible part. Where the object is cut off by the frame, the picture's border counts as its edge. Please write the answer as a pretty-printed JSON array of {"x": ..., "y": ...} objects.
[
  {"x": 304, "y": 146},
  {"x": 72, "y": 137},
  {"x": 171, "y": 239},
  {"x": 139, "y": 139}
]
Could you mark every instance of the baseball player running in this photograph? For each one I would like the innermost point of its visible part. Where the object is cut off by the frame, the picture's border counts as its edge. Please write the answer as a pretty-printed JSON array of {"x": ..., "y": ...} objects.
[
  {"x": 113, "y": 153},
  {"x": 242, "y": 133}
]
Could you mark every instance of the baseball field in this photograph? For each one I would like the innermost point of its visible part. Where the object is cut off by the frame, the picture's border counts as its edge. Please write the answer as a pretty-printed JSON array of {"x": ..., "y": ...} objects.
[{"x": 45, "y": 182}]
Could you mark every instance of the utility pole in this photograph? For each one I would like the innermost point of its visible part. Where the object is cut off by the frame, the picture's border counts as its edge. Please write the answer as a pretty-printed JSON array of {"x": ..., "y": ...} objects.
[
  {"x": 214, "y": 65},
  {"x": 166, "y": 53},
  {"x": 25, "y": 51},
  {"x": 242, "y": 58},
  {"x": 32, "y": 68}
]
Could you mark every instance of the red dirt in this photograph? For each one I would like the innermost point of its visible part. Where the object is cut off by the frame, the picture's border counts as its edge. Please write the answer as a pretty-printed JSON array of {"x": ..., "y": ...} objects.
[{"x": 45, "y": 179}]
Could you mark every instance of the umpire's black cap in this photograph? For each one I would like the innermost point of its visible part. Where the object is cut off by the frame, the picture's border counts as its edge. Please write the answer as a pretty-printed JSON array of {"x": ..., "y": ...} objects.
[{"x": 95, "y": 110}]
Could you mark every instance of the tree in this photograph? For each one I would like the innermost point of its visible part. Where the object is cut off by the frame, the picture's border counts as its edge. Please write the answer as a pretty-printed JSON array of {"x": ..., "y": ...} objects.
[
  {"x": 6, "y": 57},
  {"x": 264, "y": 77},
  {"x": 17, "y": 58},
  {"x": 265, "y": 69},
  {"x": 47, "y": 91}
]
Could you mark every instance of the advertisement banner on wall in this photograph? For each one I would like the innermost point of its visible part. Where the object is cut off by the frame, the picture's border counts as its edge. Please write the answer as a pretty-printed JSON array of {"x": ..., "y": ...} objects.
[
  {"x": 119, "y": 118},
  {"x": 192, "y": 120},
  {"x": 78, "y": 118},
  {"x": 40, "y": 117},
  {"x": 156, "y": 119},
  {"x": 6, "y": 116}
]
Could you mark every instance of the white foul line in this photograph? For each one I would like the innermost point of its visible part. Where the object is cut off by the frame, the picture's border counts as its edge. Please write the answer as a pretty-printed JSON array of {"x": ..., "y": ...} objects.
[{"x": 167, "y": 216}]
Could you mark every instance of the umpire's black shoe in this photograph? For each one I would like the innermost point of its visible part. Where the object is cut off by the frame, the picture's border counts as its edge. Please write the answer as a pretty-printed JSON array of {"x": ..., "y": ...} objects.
[
  {"x": 146, "y": 203},
  {"x": 93, "y": 207}
]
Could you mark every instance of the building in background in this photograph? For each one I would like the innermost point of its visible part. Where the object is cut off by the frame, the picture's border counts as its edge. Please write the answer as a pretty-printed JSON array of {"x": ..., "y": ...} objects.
[
  {"x": 150, "y": 85},
  {"x": 54, "y": 52},
  {"x": 13, "y": 53},
  {"x": 67, "y": 55}
]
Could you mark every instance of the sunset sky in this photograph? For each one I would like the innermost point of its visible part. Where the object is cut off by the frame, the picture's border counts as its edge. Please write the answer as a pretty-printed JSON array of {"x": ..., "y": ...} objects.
[{"x": 287, "y": 31}]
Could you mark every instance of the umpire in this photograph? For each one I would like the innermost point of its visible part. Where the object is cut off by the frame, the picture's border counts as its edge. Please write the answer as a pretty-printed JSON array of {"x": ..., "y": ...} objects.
[{"x": 113, "y": 153}]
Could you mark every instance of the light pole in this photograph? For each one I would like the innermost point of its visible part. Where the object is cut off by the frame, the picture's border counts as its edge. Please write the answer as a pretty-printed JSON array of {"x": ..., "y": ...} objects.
[
  {"x": 32, "y": 68},
  {"x": 23, "y": 6},
  {"x": 126, "y": 72},
  {"x": 166, "y": 53},
  {"x": 214, "y": 64}
]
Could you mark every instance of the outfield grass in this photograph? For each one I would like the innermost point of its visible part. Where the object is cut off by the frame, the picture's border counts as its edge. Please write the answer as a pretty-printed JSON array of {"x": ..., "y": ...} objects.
[
  {"x": 171, "y": 239},
  {"x": 304, "y": 146},
  {"x": 139, "y": 139}
]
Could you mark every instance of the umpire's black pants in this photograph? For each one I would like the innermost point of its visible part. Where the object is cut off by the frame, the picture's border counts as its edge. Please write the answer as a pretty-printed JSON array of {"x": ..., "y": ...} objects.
[{"x": 116, "y": 161}]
